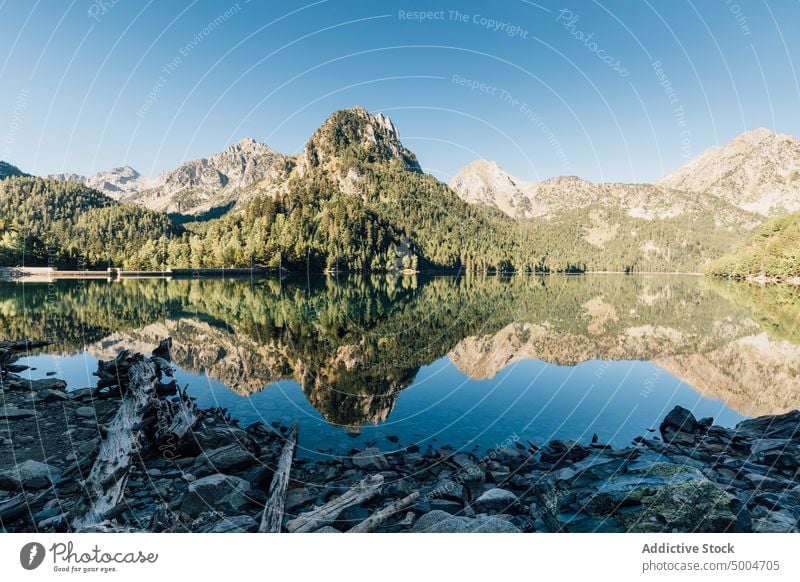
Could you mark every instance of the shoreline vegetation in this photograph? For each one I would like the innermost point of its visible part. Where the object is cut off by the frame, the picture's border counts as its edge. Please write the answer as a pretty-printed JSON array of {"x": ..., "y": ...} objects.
[
  {"x": 23, "y": 273},
  {"x": 181, "y": 468}
]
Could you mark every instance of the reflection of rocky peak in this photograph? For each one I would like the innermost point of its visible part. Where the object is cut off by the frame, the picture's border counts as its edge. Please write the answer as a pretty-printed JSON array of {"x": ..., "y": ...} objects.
[
  {"x": 345, "y": 390},
  {"x": 731, "y": 373},
  {"x": 484, "y": 357}
]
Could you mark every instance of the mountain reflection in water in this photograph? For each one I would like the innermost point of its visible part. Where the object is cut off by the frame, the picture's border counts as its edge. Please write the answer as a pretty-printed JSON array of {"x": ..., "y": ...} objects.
[{"x": 353, "y": 345}]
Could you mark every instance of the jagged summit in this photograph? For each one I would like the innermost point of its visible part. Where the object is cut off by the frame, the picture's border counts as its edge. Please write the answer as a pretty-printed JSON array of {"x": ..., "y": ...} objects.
[
  {"x": 485, "y": 182},
  {"x": 356, "y": 136},
  {"x": 758, "y": 171}
]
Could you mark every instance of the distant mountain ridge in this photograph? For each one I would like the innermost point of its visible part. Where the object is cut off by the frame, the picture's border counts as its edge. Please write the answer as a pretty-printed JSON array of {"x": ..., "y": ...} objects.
[
  {"x": 355, "y": 198},
  {"x": 758, "y": 171},
  {"x": 486, "y": 183},
  {"x": 197, "y": 185},
  {"x": 7, "y": 170}
]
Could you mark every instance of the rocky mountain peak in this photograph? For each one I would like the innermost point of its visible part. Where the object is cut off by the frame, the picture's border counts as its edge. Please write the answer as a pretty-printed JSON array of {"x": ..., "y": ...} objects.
[
  {"x": 355, "y": 136},
  {"x": 758, "y": 171}
]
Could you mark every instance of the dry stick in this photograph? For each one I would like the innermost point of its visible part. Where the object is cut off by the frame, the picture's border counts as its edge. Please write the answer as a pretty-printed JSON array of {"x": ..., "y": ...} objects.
[
  {"x": 273, "y": 510},
  {"x": 319, "y": 517},
  {"x": 379, "y": 517},
  {"x": 107, "y": 478}
]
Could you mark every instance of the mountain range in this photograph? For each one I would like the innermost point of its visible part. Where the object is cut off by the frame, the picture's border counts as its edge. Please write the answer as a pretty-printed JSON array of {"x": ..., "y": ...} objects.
[
  {"x": 757, "y": 172},
  {"x": 357, "y": 198}
]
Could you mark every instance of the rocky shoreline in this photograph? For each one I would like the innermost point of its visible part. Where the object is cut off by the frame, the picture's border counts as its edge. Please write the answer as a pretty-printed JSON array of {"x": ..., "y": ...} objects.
[{"x": 187, "y": 469}]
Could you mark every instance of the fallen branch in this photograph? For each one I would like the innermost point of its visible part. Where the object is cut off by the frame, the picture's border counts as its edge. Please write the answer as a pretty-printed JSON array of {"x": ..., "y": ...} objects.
[
  {"x": 106, "y": 481},
  {"x": 273, "y": 510},
  {"x": 379, "y": 517},
  {"x": 319, "y": 517}
]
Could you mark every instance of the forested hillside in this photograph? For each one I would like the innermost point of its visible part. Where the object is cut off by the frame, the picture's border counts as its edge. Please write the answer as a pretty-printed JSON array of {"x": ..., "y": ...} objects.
[
  {"x": 773, "y": 252},
  {"x": 354, "y": 199},
  {"x": 44, "y": 222}
]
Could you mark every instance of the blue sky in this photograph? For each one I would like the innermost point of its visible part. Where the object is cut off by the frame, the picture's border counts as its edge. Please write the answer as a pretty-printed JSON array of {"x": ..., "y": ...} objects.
[{"x": 612, "y": 91}]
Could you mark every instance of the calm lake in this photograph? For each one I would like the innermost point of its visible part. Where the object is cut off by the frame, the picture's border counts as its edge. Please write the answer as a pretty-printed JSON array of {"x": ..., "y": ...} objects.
[{"x": 472, "y": 362}]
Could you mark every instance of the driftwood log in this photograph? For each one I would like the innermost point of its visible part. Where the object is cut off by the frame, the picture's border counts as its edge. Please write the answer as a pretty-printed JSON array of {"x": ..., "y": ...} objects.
[
  {"x": 319, "y": 517},
  {"x": 106, "y": 481},
  {"x": 175, "y": 422},
  {"x": 379, "y": 517},
  {"x": 273, "y": 510},
  {"x": 137, "y": 379}
]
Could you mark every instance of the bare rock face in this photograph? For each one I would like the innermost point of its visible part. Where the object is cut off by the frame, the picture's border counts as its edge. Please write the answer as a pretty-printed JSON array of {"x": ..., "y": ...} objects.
[
  {"x": 237, "y": 173},
  {"x": 351, "y": 137},
  {"x": 486, "y": 183},
  {"x": 758, "y": 171}
]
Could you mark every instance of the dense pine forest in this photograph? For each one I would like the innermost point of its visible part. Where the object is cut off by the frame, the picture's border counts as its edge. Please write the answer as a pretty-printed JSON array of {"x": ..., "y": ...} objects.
[{"x": 773, "y": 252}]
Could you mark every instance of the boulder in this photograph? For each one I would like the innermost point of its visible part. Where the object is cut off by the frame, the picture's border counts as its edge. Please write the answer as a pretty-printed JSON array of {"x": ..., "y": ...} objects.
[
  {"x": 14, "y": 413},
  {"x": 677, "y": 421},
  {"x": 495, "y": 500},
  {"x": 47, "y": 384},
  {"x": 232, "y": 456},
  {"x": 29, "y": 474},
  {"x": 235, "y": 524},
  {"x": 561, "y": 453},
  {"x": 442, "y": 522},
  {"x": 297, "y": 498},
  {"x": 224, "y": 493},
  {"x": 779, "y": 426}
]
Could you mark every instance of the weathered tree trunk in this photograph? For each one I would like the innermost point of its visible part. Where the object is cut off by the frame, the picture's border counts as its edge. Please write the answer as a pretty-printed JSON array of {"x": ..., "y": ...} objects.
[
  {"x": 106, "y": 481},
  {"x": 379, "y": 517},
  {"x": 319, "y": 517},
  {"x": 273, "y": 510},
  {"x": 175, "y": 421}
]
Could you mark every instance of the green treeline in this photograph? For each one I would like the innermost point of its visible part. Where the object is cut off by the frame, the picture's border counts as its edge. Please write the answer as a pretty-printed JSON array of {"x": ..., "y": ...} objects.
[{"x": 773, "y": 251}]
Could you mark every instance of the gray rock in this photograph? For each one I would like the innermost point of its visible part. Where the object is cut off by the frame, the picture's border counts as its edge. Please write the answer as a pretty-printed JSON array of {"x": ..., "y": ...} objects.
[
  {"x": 447, "y": 489},
  {"x": 29, "y": 474},
  {"x": 780, "y": 426},
  {"x": 327, "y": 529},
  {"x": 776, "y": 522},
  {"x": 228, "y": 457},
  {"x": 47, "y": 384},
  {"x": 223, "y": 493},
  {"x": 493, "y": 524},
  {"x": 370, "y": 459},
  {"x": 236, "y": 524},
  {"x": 442, "y": 522},
  {"x": 298, "y": 497},
  {"x": 49, "y": 395},
  {"x": 85, "y": 412},
  {"x": 14, "y": 413},
  {"x": 495, "y": 500},
  {"x": 452, "y": 507},
  {"x": 678, "y": 420}
]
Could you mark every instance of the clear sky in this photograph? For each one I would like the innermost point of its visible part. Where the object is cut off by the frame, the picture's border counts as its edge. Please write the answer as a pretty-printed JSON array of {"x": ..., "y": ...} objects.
[{"x": 612, "y": 90}]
